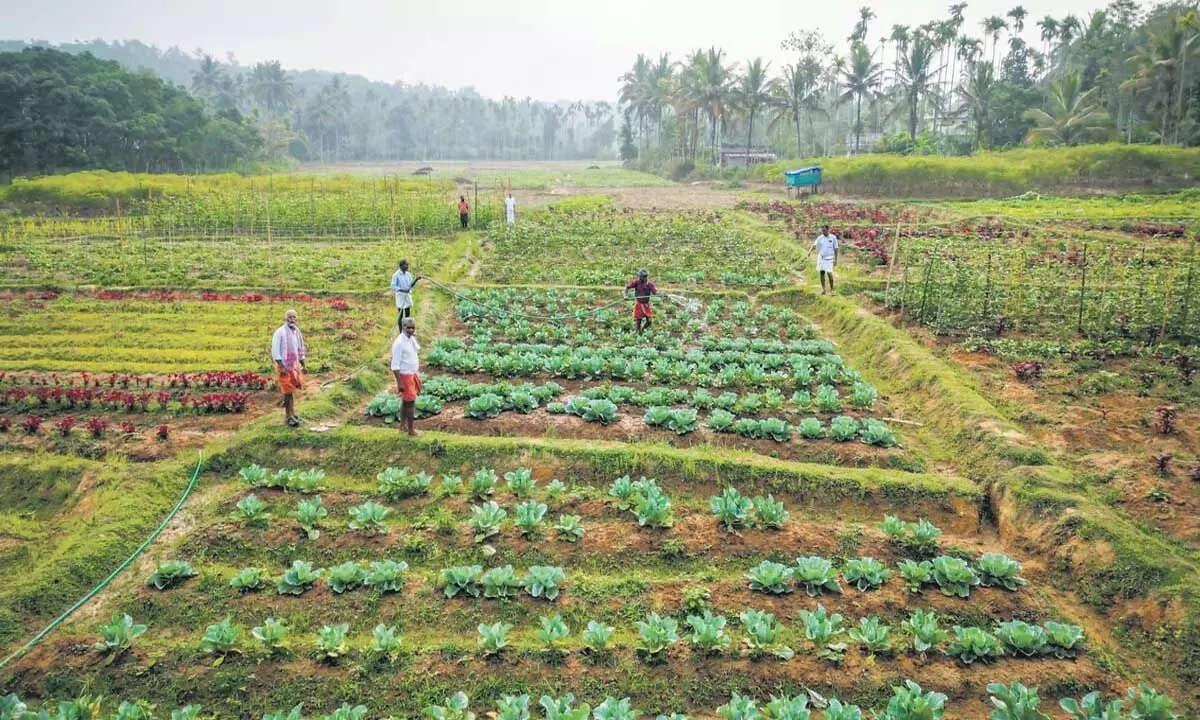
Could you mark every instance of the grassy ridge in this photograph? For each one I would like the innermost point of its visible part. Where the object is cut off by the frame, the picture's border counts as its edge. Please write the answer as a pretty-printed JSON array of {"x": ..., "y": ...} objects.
[{"x": 1062, "y": 170}]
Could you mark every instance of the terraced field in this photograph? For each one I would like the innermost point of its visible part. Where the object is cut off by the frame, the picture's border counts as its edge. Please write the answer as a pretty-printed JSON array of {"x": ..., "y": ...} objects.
[{"x": 772, "y": 504}]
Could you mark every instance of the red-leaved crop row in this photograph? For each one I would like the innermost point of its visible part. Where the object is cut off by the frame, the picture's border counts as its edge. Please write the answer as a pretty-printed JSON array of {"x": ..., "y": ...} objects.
[
  {"x": 215, "y": 379},
  {"x": 58, "y": 398}
]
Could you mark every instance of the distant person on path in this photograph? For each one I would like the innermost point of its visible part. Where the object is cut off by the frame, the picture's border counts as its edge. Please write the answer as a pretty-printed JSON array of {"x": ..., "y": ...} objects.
[
  {"x": 642, "y": 290},
  {"x": 402, "y": 285},
  {"x": 288, "y": 351},
  {"x": 510, "y": 209},
  {"x": 826, "y": 246},
  {"x": 406, "y": 367},
  {"x": 464, "y": 210}
]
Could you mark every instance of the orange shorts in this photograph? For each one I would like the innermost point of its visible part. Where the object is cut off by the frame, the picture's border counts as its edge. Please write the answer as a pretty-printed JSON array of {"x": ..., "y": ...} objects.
[
  {"x": 289, "y": 382},
  {"x": 642, "y": 310},
  {"x": 410, "y": 387}
]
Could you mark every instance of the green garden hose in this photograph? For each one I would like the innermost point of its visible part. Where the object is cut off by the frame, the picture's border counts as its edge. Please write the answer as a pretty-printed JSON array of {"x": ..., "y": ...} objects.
[{"x": 104, "y": 583}]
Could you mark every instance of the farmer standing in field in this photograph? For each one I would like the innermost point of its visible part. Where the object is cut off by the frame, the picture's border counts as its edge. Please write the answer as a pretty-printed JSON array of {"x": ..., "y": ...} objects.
[
  {"x": 288, "y": 351},
  {"x": 402, "y": 285},
  {"x": 826, "y": 246},
  {"x": 464, "y": 210},
  {"x": 406, "y": 368},
  {"x": 510, "y": 209},
  {"x": 642, "y": 290}
]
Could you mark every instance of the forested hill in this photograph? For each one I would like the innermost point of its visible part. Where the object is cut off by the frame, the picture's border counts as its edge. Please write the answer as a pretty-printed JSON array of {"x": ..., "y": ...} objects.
[
  {"x": 333, "y": 117},
  {"x": 74, "y": 112}
]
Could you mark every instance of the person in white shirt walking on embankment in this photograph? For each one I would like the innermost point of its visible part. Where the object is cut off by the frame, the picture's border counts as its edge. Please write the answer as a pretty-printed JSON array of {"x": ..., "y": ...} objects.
[
  {"x": 402, "y": 285},
  {"x": 406, "y": 367},
  {"x": 826, "y": 246}
]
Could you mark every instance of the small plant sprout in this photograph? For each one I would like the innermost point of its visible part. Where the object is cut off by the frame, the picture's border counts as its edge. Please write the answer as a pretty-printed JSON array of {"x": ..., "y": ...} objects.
[
  {"x": 954, "y": 577},
  {"x": 1092, "y": 707},
  {"x": 456, "y": 708},
  {"x": 252, "y": 511},
  {"x": 500, "y": 582},
  {"x": 555, "y": 489},
  {"x": 493, "y": 638},
  {"x": 187, "y": 712},
  {"x": 771, "y": 577},
  {"x": 298, "y": 579},
  {"x": 520, "y": 482},
  {"x": 822, "y": 629},
  {"x": 621, "y": 491},
  {"x": 309, "y": 512},
  {"x": 909, "y": 702},
  {"x": 345, "y": 711},
  {"x": 708, "y": 632},
  {"x": 1146, "y": 703},
  {"x": 596, "y": 636},
  {"x": 996, "y": 570},
  {"x": 569, "y": 528},
  {"x": 169, "y": 574},
  {"x": 369, "y": 517},
  {"x": 528, "y": 517},
  {"x": 139, "y": 710},
  {"x": 1063, "y": 640},
  {"x": 739, "y": 707},
  {"x": 971, "y": 644},
  {"x": 482, "y": 484},
  {"x": 331, "y": 641},
  {"x": 117, "y": 635},
  {"x": 872, "y": 634},
  {"x": 769, "y": 514},
  {"x": 656, "y": 634},
  {"x": 486, "y": 519},
  {"x": 308, "y": 481},
  {"x": 564, "y": 708},
  {"x": 247, "y": 579},
  {"x": 512, "y": 707},
  {"x": 927, "y": 634},
  {"x": 922, "y": 535},
  {"x": 271, "y": 634},
  {"x": 731, "y": 508},
  {"x": 865, "y": 573},
  {"x": 461, "y": 579},
  {"x": 253, "y": 475},
  {"x": 842, "y": 711},
  {"x": 386, "y": 576},
  {"x": 614, "y": 709},
  {"x": 220, "y": 638},
  {"x": 293, "y": 714},
  {"x": 346, "y": 576},
  {"x": 787, "y": 708},
  {"x": 1015, "y": 702},
  {"x": 543, "y": 581},
  {"x": 552, "y": 631},
  {"x": 762, "y": 635},
  {"x": 398, "y": 484},
  {"x": 815, "y": 574},
  {"x": 452, "y": 484},
  {"x": 385, "y": 643},
  {"x": 916, "y": 575}
]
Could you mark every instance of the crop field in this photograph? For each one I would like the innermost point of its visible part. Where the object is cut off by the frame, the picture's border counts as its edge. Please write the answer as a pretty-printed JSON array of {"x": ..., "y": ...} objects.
[{"x": 967, "y": 480}]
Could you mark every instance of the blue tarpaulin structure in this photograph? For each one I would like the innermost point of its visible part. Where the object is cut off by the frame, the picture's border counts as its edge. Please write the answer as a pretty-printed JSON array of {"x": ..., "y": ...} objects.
[{"x": 805, "y": 177}]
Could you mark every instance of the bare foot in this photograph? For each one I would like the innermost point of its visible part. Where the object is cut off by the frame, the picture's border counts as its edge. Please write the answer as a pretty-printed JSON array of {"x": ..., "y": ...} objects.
[{"x": 412, "y": 433}]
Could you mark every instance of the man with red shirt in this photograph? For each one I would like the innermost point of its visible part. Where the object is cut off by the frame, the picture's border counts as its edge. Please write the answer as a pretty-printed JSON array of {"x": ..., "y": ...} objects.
[{"x": 642, "y": 290}]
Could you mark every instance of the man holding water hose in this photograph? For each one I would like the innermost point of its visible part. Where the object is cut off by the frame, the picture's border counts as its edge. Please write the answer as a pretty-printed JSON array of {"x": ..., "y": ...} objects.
[{"x": 642, "y": 290}]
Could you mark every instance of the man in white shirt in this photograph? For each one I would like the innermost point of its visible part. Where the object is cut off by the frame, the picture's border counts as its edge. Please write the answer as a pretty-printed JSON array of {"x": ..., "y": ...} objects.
[
  {"x": 402, "y": 285},
  {"x": 826, "y": 246},
  {"x": 288, "y": 352},
  {"x": 510, "y": 209},
  {"x": 406, "y": 367}
]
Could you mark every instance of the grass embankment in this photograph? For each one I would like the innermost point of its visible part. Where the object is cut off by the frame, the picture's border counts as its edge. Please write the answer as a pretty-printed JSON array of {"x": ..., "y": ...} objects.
[
  {"x": 1076, "y": 170},
  {"x": 1148, "y": 587}
]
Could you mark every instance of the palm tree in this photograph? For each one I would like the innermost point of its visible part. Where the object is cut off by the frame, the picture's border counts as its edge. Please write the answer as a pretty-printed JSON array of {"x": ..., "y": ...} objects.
[
  {"x": 1017, "y": 15},
  {"x": 1049, "y": 28},
  {"x": 859, "y": 34},
  {"x": 271, "y": 87},
  {"x": 916, "y": 72},
  {"x": 978, "y": 91},
  {"x": 993, "y": 26},
  {"x": 714, "y": 93},
  {"x": 860, "y": 77},
  {"x": 795, "y": 95},
  {"x": 659, "y": 90},
  {"x": 753, "y": 93},
  {"x": 1074, "y": 116},
  {"x": 208, "y": 78},
  {"x": 899, "y": 37},
  {"x": 1159, "y": 68},
  {"x": 634, "y": 95}
]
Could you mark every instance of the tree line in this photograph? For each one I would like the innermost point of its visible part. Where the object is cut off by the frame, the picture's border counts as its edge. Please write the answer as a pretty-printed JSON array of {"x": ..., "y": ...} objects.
[
  {"x": 1123, "y": 73},
  {"x": 335, "y": 117},
  {"x": 66, "y": 112}
]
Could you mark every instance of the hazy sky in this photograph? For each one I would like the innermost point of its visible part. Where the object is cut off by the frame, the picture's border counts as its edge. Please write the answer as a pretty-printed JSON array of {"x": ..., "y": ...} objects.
[{"x": 548, "y": 49}]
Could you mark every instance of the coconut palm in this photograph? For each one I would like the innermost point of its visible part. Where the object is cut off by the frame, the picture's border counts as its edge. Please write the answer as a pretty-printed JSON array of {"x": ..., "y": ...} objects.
[
  {"x": 1159, "y": 70},
  {"x": 634, "y": 95},
  {"x": 753, "y": 93},
  {"x": 271, "y": 87},
  {"x": 860, "y": 77},
  {"x": 916, "y": 73},
  {"x": 714, "y": 92},
  {"x": 1074, "y": 115},
  {"x": 977, "y": 93},
  {"x": 795, "y": 96}
]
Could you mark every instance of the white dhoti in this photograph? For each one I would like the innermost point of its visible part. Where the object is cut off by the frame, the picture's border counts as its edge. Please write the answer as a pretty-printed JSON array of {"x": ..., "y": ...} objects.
[{"x": 825, "y": 264}]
